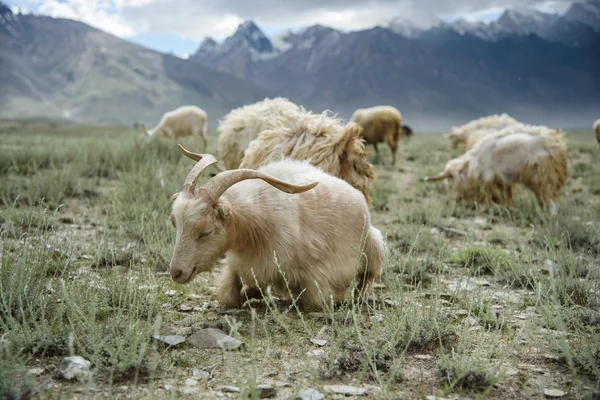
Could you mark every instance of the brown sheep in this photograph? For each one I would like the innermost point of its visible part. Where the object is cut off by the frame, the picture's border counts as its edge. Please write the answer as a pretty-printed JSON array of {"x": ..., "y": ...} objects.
[{"x": 380, "y": 124}]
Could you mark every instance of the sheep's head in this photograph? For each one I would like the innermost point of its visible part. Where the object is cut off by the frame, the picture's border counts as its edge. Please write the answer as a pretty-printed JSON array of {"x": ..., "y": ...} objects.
[
  {"x": 200, "y": 216},
  {"x": 354, "y": 167},
  {"x": 456, "y": 136}
]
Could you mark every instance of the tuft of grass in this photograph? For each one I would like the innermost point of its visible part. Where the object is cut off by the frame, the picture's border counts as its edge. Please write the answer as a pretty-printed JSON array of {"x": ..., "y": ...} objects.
[
  {"x": 469, "y": 372},
  {"x": 481, "y": 259}
]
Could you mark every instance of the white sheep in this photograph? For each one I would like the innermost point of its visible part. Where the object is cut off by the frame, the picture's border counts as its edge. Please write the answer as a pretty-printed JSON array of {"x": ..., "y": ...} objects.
[
  {"x": 243, "y": 125},
  {"x": 470, "y": 133},
  {"x": 316, "y": 225},
  {"x": 531, "y": 155},
  {"x": 183, "y": 121},
  {"x": 597, "y": 131},
  {"x": 380, "y": 124}
]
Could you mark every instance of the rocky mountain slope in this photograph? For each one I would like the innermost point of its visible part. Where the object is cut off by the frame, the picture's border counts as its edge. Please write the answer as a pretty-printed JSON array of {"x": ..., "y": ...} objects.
[
  {"x": 62, "y": 69},
  {"x": 540, "y": 67}
]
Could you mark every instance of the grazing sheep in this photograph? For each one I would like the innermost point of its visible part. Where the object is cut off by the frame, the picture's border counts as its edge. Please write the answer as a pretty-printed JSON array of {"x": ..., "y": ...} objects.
[
  {"x": 380, "y": 124},
  {"x": 318, "y": 138},
  {"x": 243, "y": 125},
  {"x": 322, "y": 236},
  {"x": 470, "y": 133},
  {"x": 407, "y": 131},
  {"x": 183, "y": 121},
  {"x": 597, "y": 131},
  {"x": 532, "y": 155}
]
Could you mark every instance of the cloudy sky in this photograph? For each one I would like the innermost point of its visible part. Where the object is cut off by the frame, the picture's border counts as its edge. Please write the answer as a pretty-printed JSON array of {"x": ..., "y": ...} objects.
[{"x": 179, "y": 25}]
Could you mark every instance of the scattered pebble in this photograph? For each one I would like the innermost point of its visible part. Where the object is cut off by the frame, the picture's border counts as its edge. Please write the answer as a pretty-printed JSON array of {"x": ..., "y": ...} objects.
[
  {"x": 171, "y": 340},
  {"x": 211, "y": 338},
  {"x": 554, "y": 393},
  {"x": 310, "y": 394},
  {"x": 316, "y": 353},
  {"x": 548, "y": 265},
  {"x": 435, "y": 398},
  {"x": 319, "y": 342},
  {"x": 434, "y": 231},
  {"x": 193, "y": 296},
  {"x": 171, "y": 293},
  {"x": 74, "y": 367},
  {"x": 168, "y": 388},
  {"x": 230, "y": 389},
  {"x": 189, "y": 391},
  {"x": 345, "y": 390},
  {"x": 191, "y": 382},
  {"x": 35, "y": 371},
  {"x": 480, "y": 221},
  {"x": 470, "y": 321},
  {"x": 392, "y": 303},
  {"x": 184, "y": 308},
  {"x": 277, "y": 383},
  {"x": 198, "y": 373},
  {"x": 423, "y": 357},
  {"x": 266, "y": 391}
]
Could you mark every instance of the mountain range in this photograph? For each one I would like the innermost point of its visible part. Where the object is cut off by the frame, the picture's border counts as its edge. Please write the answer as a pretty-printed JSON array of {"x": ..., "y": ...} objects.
[
  {"x": 542, "y": 68},
  {"x": 62, "y": 69},
  {"x": 538, "y": 67}
]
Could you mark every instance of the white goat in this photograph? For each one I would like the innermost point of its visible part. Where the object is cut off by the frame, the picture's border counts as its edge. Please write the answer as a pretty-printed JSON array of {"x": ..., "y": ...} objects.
[
  {"x": 243, "y": 125},
  {"x": 532, "y": 155},
  {"x": 322, "y": 236},
  {"x": 470, "y": 133},
  {"x": 183, "y": 121}
]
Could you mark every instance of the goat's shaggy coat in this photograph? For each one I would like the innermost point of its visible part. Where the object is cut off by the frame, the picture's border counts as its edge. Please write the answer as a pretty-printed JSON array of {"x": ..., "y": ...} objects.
[
  {"x": 597, "y": 131},
  {"x": 380, "y": 124},
  {"x": 322, "y": 236},
  {"x": 318, "y": 138},
  {"x": 533, "y": 156},
  {"x": 183, "y": 121},
  {"x": 470, "y": 133},
  {"x": 243, "y": 125}
]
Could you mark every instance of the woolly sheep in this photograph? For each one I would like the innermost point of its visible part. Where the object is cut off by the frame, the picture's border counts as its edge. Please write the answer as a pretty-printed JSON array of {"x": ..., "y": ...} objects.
[
  {"x": 243, "y": 125},
  {"x": 533, "y": 156},
  {"x": 380, "y": 124},
  {"x": 288, "y": 225},
  {"x": 318, "y": 138},
  {"x": 183, "y": 121},
  {"x": 597, "y": 131},
  {"x": 470, "y": 133}
]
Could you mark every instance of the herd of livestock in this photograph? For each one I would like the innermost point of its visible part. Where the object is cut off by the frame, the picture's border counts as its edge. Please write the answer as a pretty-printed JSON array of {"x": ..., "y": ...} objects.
[{"x": 290, "y": 205}]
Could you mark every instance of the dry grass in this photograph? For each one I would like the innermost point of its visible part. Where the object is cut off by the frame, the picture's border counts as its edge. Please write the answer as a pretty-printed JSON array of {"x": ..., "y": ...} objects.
[{"x": 496, "y": 303}]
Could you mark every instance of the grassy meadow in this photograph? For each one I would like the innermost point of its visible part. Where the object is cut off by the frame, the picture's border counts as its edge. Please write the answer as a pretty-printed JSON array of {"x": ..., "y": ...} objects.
[{"x": 491, "y": 302}]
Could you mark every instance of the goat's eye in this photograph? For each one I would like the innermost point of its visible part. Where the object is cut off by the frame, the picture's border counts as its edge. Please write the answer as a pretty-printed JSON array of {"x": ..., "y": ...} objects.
[
  {"x": 200, "y": 235},
  {"x": 173, "y": 220}
]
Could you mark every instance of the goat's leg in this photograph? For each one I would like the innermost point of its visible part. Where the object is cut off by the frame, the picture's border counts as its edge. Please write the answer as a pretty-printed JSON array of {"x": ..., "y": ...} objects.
[{"x": 229, "y": 289}]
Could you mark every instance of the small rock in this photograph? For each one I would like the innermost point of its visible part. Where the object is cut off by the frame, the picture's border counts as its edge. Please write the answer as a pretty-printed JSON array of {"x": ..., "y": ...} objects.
[
  {"x": 277, "y": 383},
  {"x": 470, "y": 321},
  {"x": 211, "y": 338},
  {"x": 191, "y": 382},
  {"x": 266, "y": 391},
  {"x": 319, "y": 342},
  {"x": 423, "y": 357},
  {"x": 435, "y": 398},
  {"x": 171, "y": 340},
  {"x": 193, "y": 296},
  {"x": 310, "y": 394},
  {"x": 434, "y": 231},
  {"x": 184, "y": 308},
  {"x": 198, "y": 373},
  {"x": 189, "y": 391},
  {"x": 168, "y": 388},
  {"x": 123, "y": 388},
  {"x": 554, "y": 393},
  {"x": 480, "y": 221},
  {"x": 345, "y": 390},
  {"x": 74, "y": 367},
  {"x": 171, "y": 293},
  {"x": 391, "y": 303},
  {"x": 230, "y": 389},
  {"x": 35, "y": 371},
  {"x": 316, "y": 353}
]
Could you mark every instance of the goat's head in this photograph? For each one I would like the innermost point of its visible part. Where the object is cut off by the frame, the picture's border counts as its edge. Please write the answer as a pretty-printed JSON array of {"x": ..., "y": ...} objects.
[
  {"x": 455, "y": 170},
  {"x": 200, "y": 216},
  {"x": 456, "y": 136},
  {"x": 354, "y": 167}
]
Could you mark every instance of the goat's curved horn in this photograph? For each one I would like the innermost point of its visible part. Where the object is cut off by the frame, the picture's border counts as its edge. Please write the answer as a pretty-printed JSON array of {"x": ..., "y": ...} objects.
[
  {"x": 203, "y": 161},
  {"x": 197, "y": 157},
  {"x": 223, "y": 181}
]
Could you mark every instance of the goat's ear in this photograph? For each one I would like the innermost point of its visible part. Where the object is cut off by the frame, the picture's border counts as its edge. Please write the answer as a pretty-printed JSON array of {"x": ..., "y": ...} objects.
[
  {"x": 174, "y": 197},
  {"x": 224, "y": 211}
]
